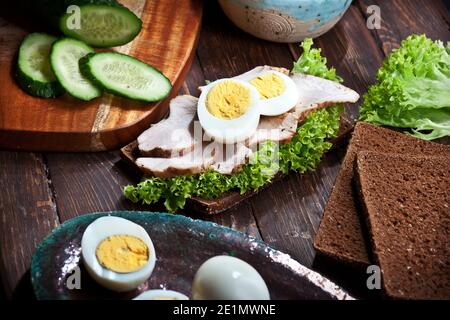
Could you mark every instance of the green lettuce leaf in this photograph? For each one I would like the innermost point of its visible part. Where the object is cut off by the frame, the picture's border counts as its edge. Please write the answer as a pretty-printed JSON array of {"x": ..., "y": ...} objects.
[
  {"x": 302, "y": 153},
  {"x": 413, "y": 89}
]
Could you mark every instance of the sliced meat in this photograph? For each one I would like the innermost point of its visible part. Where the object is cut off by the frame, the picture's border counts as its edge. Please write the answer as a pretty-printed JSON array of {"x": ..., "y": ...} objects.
[
  {"x": 317, "y": 92},
  {"x": 279, "y": 129},
  {"x": 225, "y": 159},
  {"x": 252, "y": 74},
  {"x": 230, "y": 158},
  {"x": 193, "y": 162},
  {"x": 172, "y": 136}
]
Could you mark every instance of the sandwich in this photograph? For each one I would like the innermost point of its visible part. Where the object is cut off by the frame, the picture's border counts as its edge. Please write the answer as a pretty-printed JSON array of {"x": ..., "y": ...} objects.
[{"x": 240, "y": 134}]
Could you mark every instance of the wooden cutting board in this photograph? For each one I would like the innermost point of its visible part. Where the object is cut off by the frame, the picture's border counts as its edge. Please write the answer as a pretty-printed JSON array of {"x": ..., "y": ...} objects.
[{"x": 167, "y": 41}]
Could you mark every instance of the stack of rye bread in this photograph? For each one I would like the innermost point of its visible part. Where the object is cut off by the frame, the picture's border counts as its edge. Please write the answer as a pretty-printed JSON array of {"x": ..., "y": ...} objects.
[{"x": 390, "y": 207}]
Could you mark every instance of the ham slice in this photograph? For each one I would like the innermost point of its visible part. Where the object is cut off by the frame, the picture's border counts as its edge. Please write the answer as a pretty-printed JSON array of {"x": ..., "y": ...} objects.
[
  {"x": 230, "y": 158},
  {"x": 172, "y": 136},
  {"x": 317, "y": 92},
  {"x": 169, "y": 148},
  {"x": 225, "y": 159},
  {"x": 193, "y": 162}
]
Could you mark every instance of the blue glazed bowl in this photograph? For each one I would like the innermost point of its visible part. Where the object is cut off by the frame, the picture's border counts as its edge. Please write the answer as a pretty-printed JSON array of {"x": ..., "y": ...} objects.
[{"x": 285, "y": 20}]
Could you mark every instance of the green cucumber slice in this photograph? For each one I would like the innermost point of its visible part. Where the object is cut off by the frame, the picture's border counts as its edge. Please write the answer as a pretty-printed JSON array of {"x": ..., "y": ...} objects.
[
  {"x": 103, "y": 25},
  {"x": 64, "y": 58},
  {"x": 34, "y": 73},
  {"x": 125, "y": 76}
]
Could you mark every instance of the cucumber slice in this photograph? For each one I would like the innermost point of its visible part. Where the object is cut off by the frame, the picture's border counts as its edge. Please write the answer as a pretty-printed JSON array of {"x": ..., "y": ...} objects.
[
  {"x": 64, "y": 58},
  {"x": 103, "y": 25},
  {"x": 125, "y": 76},
  {"x": 34, "y": 73}
]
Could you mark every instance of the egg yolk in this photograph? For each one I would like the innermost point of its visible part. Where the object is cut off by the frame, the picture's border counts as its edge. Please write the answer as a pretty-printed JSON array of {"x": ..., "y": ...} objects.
[
  {"x": 228, "y": 100},
  {"x": 122, "y": 253},
  {"x": 269, "y": 85}
]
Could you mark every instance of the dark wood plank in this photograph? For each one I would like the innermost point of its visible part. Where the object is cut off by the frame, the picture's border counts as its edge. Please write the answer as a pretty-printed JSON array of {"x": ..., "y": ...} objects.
[
  {"x": 225, "y": 51},
  {"x": 28, "y": 213},
  {"x": 195, "y": 79},
  {"x": 86, "y": 183},
  {"x": 289, "y": 211},
  {"x": 400, "y": 18}
]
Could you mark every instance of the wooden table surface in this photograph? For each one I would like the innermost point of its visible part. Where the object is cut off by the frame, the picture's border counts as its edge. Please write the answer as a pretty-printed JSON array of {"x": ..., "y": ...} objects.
[{"x": 39, "y": 191}]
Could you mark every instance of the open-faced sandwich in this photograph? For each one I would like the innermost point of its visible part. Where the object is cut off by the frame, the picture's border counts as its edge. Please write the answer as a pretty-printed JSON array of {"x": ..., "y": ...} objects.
[{"x": 241, "y": 132}]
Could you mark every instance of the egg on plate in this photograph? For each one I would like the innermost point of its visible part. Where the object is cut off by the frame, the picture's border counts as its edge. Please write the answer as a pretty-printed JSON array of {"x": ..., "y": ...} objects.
[
  {"x": 277, "y": 92},
  {"x": 228, "y": 110},
  {"x": 228, "y": 278},
  {"x": 158, "y": 294},
  {"x": 117, "y": 253}
]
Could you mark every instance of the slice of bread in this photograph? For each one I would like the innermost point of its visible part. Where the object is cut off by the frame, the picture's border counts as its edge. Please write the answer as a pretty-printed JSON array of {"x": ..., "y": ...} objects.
[
  {"x": 340, "y": 234},
  {"x": 406, "y": 205}
]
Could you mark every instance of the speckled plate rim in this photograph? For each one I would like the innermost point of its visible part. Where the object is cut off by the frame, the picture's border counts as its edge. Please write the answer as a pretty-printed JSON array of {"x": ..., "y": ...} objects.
[{"x": 277, "y": 256}]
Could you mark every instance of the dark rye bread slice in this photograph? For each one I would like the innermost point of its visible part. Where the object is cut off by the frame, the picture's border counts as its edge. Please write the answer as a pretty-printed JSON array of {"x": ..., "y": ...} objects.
[
  {"x": 406, "y": 204},
  {"x": 340, "y": 235}
]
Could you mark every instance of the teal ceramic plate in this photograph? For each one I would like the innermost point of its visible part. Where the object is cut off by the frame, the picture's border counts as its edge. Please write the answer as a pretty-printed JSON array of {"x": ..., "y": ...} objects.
[{"x": 181, "y": 245}]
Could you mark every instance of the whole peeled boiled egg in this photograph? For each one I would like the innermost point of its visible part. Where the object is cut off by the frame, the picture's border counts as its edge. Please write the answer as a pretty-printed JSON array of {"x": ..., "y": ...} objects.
[
  {"x": 117, "y": 253},
  {"x": 159, "y": 294},
  {"x": 228, "y": 278},
  {"x": 277, "y": 92},
  {"x": 228, "y": 110}
]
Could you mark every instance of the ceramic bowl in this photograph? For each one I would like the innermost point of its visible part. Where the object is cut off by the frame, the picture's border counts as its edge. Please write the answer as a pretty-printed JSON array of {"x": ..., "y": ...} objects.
[
  {"x": 285, "y": 20},
  {"x": 181, "y": 245}
]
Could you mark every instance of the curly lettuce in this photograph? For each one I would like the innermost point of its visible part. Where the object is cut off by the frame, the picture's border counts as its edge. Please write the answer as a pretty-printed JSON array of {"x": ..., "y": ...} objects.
[
  {"x": 302, "y": 153},
  {"x": 413, "y": 89}
]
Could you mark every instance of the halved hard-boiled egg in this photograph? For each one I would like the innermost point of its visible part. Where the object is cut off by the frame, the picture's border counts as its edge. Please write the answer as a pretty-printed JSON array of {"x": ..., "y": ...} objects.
[
  {"x": 228, "y": 110},
  {"x": 117, "y": 253},
  {"x": 228, "y": 278},
  {"x": 158, "y": 294},
  {"x": 278, "y": 92}
]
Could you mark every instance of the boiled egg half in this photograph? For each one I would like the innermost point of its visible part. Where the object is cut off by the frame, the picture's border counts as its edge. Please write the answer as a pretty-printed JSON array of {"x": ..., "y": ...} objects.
[
  {"x": 228, "y": 278},
  {"x": 228, "y": 110},
  {"x": 277, "y": 92},
  {"x": 117, "y": 253},
  {"x": 161, "y": 295}
]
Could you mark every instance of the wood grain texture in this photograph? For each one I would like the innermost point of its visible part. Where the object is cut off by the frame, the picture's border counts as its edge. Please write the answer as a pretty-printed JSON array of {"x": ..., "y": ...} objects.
[
  {"x": 28, "y": 213},
  {"x": 167, "y": 41},
  {"x": 225, "y": 51},
  {"x": 400, "y": 18},
  {"x": 289, "y": 211}
]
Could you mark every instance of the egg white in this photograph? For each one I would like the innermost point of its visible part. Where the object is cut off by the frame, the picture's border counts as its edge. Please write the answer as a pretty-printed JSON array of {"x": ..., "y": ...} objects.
[
  {"x": 105, "y": 227},
  {"x": 228, "y": 278},
  {"x": 229, "y": 130},
  {"x": 155, "y": 294},
  {"x": 276, "y": 105}
]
